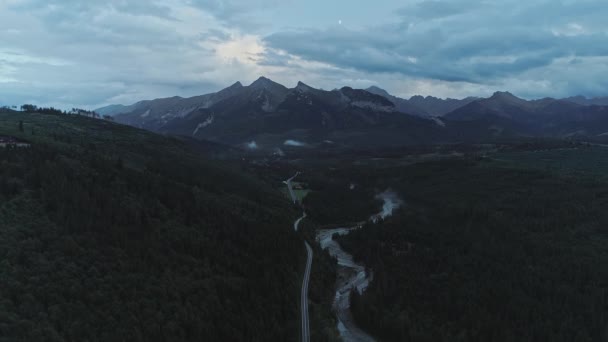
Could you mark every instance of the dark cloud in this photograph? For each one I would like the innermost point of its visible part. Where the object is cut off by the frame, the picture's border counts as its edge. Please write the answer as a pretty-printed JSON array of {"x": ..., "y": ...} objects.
[
  {"x": 436, "y": 9},
  {"x": 471, "y": 41},
  {"x": 65, "y": 10},
  {"x": 84, "y": 53},
  {"x": 238, "y": 13}
]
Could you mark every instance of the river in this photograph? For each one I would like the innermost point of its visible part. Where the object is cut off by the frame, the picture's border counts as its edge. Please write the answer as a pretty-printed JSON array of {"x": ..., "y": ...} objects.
[{"x": 350, "y": 274}]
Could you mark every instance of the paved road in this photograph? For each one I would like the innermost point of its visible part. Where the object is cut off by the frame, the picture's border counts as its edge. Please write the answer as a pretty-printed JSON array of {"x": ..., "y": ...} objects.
[
  {"x": 291, "y": 193},
  {"x": 297, "y": 223},
  {"x": 304, "y": 296},
  {"x": 304, "y": 293}
]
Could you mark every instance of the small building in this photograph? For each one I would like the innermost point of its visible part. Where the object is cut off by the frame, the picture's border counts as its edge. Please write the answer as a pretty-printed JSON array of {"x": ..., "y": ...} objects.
[{"x": 6, "y": 140}]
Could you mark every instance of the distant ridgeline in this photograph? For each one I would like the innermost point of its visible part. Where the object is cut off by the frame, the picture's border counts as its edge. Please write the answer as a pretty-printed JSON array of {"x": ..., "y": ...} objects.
[
  {"x": 266, "y": 115},
  {"x": 29, "y": 108}
]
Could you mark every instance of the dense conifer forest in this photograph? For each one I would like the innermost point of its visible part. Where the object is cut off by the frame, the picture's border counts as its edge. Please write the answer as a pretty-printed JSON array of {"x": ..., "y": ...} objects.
[
  {"x": 110, "y": 233},
  {"x": 485, "y": 252}
]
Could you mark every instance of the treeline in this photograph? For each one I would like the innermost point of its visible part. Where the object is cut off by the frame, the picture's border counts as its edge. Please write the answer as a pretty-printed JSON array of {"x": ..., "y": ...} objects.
[
  {"x": 483, "y": 253},
  {"x": 29, "y": 108},
  {"x": 136, "y": 239}
]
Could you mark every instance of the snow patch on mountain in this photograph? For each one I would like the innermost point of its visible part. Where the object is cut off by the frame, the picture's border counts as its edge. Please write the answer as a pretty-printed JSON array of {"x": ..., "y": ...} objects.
[
  {"x": 294, "y": 143},
  {"x": 438, "y": 121},
  {"x": 373, "y": 106},
  {"x": 203, "y": 124},
  {"x": 266, "y": 106},
  {"x": 345, "y": 100}
]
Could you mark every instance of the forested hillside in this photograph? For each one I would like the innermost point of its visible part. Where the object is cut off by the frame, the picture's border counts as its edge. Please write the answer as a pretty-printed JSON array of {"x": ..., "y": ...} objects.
[
  {"x": 483, "y": 252},
  {"x": 109, "y": 233}
]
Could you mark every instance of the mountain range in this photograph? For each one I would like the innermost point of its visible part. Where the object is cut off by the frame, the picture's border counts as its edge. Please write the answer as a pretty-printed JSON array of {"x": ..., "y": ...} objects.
[
  {"x": 423, "y": 106},
  {"x": 266, "y": 114}
]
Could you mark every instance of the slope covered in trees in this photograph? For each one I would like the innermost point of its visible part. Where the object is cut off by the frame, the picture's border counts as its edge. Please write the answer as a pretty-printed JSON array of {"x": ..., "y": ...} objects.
[
  {"x": 483, "y": 252},
  {"x": 109, "y": 233}
]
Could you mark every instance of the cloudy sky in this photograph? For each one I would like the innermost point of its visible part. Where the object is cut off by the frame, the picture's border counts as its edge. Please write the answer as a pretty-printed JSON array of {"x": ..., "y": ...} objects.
[{"x": 88, "y": 53}]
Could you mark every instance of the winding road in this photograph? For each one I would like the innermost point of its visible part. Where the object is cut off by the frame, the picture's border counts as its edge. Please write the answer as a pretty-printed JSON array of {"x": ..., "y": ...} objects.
[
  {"x": 291, "y": 193},
  {"x": 305, "y": 281},
  {"x": 297, "y": 223},
  {"x": 304, "y": 296},
  {"x": 351, "y": 275}
]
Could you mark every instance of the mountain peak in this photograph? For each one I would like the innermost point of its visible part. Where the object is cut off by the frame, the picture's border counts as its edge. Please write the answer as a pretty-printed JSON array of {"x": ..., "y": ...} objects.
[
  {"x": 262, "y": 82},
  {"x": 504, "y": 95},
  {"x": 236, "y": 85},
  {"x": 303, "y": 86},
  {"x": 378, "y": 91},
  {"x": 233, "y": 89}
]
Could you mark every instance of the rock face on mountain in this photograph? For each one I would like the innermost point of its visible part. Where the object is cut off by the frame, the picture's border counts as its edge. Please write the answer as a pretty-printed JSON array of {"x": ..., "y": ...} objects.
[
  {"x": 543, "y": 117},
  {"x": 439, "y": 107},
  {"x": 422, "y": 106},
  {"x": 154, "y": 114},
  {"x": 501, "y": 104},
  {"x": 266, "y": 114},
  {"x": 116, "y": 109},
  {"x": 402, "y": 105},
  {"x": 269, "y": 113},
  {"x": 582, "y": 100}
]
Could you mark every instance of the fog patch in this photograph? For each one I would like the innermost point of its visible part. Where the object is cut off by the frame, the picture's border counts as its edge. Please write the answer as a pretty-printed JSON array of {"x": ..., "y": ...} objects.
[
  {"x": 438, "y": 121},
  {"x": 294, "y": 143},
  {"x": 279, "y": 152},
  {"x": 391, "y": 203}
]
